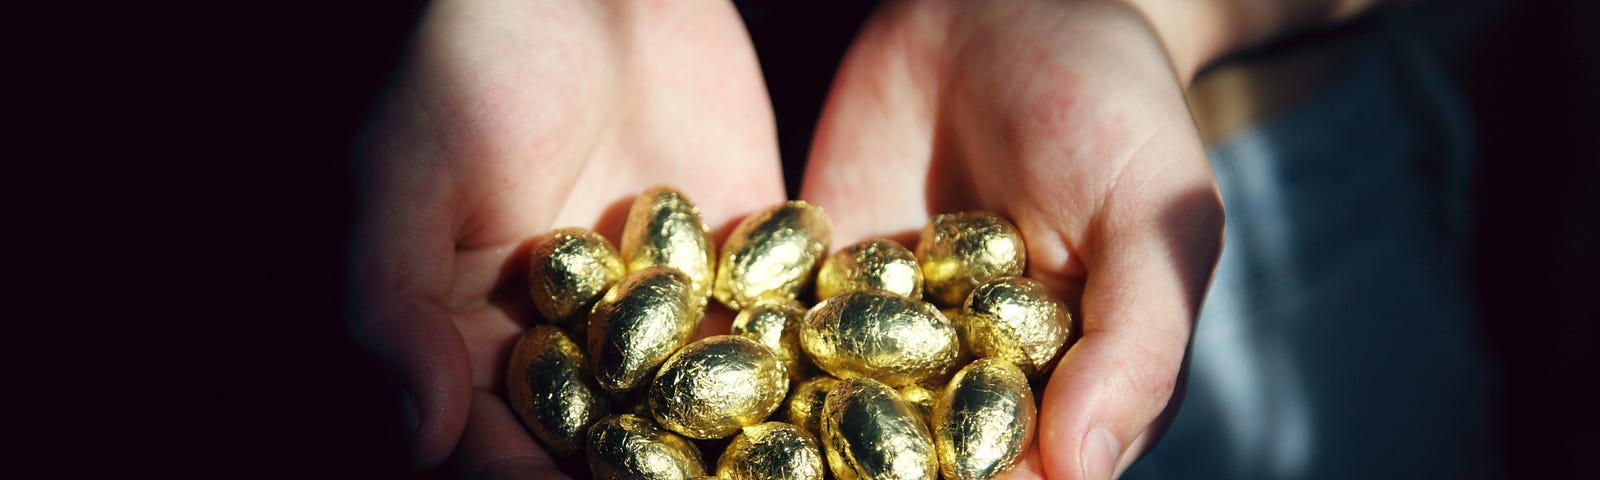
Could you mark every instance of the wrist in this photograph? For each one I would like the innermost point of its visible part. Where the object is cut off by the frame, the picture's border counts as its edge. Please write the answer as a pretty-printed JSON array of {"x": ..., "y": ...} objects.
[{"x": 1198, "y": 32}]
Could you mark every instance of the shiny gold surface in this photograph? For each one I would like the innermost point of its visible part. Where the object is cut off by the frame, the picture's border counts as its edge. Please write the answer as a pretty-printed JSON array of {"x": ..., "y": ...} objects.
[
  {"x": 772, "y": 252},
  {"x": 872, "y": 264},
  {"x": 920, "y": 398},
  {"x": 717, "y": 385},
  {"x": 568, "y": 270},
  {"x": 631, "y": 447},
  {"x": 1016, "y": 319},
  {"x": 637, "y": 324},
  {"x": 876, "y": 334},
  {"x": 550, "y": 389},
  {"x": 959, "y": 251},
  {"x": 771, "y": 451},
  {"x": 664, "y": 228},
  {"x": 775, "y": 324},
  {"x": 983, "y": 421},
  {"x": 869, "y": 432},
  {"x": 805, "y": 405}
]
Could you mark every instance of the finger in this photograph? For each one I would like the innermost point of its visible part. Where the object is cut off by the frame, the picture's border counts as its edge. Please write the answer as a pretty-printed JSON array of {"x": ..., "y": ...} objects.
[
  {"x": 495, "y": 446},
  {"x": 402, "y": 259},
  {"x": 1146, "y": 275}
]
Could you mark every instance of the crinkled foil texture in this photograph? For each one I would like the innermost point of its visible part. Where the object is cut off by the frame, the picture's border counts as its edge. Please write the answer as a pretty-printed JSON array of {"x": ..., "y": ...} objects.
[
  {"x": 664, "y": 228},
  {"x": 639, "y": 323},
  {"x": 568, "y": 271},
  {"x": 771, "y": 451},
  {"x": 772, "y": 253},
  {"x": 872, "y": 264},
  {"x": 630, "y": 447},
  {"x": 959, "y": 251},
  {"x": 550, "y": 389},
  {"x": 775, "y": 324},
  {"x": 713, "y": 387},
  {"x": 869, "y": 432},
  {"x": 893, "y": 339},
  {"x": 1016, "y": 319},
  {"x": 983, "y": 421}
]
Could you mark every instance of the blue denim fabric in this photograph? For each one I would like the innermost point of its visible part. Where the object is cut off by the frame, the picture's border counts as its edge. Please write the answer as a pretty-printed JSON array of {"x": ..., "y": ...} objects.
[{"x": 1339, "y": 339}]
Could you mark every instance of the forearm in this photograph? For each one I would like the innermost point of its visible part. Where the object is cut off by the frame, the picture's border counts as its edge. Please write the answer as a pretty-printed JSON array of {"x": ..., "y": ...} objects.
[{"x": 1197, "y": 32}]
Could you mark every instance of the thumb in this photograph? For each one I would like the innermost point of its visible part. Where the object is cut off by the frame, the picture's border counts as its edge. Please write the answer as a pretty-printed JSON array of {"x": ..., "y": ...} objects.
[{"x": 1143, "y": 291}]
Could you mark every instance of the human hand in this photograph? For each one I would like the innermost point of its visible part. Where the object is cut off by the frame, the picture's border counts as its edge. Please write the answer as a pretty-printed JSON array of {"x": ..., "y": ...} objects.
[
  {"x": 510, "y": 118},
  {"x": 1069, "y": 119}
]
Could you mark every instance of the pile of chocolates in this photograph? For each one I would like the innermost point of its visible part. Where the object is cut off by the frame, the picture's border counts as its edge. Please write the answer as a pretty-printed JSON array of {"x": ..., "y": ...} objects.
[{"x": 869, "y": 382}]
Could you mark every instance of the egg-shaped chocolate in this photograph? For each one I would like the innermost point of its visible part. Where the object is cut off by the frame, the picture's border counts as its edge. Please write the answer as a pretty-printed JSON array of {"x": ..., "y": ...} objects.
[
  {"x": 771, "y": 451},
  {"x": 549, "y": 387},
  {"x": 983, "y": 420},
  {"x": 1019, "y": 320},
  {"x": 664, "y": 228},
  {"x": 637, "y": 324},
  {"x": 772, "y": 253},
  {"x": 959, "y": 251},
  {"x": 920, "y": 398},
  {"x": 717, "y": 385},
  {"x": 869, "y": 432},
  {"x": 630, "y": 447},
  {"x": 775, "y": 324},
  {"x": 568, "y": 270},
  {"x": 805, "y": 405},
  {"x": 872, "y": 264},
  {"x": 891, "y": 338}
]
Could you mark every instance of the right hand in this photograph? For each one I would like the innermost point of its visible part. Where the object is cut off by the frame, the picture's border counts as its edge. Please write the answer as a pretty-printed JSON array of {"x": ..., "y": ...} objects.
[{"x": 509, "y": 118}]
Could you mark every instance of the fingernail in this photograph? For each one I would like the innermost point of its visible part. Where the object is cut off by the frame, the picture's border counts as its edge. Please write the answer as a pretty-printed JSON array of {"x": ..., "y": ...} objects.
[{"x": 1099, "y": 455}]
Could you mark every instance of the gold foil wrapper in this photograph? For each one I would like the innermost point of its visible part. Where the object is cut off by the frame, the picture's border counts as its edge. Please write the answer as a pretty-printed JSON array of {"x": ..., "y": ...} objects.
[
  {"x": 639, "y": 323},
  {"x": 959, "y": 251},
  {"x": 713, "y": 387},
  {"x": 771, "y": 451},
  {"x": 888, "y": 337},
  {"x": 1016, "y": 319},
  {"x": 872, "y": 264},
  {"x": 869, "y": 432},
  {"x": 775, "y": 324},
  {"x": 630, "y": 447},
  {"x": 805, "y": 405},
  {"x": 568, "y": 270},
  {"x": 664, "y": 229},
  {"x": 983, "y": 421},
  {"x": 772, "y": 253},
  {"x": 920, "y": 398},
  {"x": 550, "y": 389}
]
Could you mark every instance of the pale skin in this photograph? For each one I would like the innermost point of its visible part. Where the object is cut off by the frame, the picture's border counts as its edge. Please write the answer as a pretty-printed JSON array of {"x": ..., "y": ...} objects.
[{"x": 511, "y": 118}]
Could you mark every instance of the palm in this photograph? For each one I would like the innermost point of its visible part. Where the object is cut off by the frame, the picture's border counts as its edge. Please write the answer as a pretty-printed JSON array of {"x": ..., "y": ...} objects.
[
  {"x": 512, "y": 118},
  {"x": 1075, "y": 129}
]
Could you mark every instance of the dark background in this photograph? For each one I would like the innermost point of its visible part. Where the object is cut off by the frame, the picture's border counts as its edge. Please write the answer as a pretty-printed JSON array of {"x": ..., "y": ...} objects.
[{"x": 314, "y": 406}]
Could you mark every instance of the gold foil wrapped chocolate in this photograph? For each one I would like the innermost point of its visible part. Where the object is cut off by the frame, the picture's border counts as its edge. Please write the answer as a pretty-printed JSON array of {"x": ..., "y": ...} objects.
[
  {"x": 639, "y": 323},
  {"x": 869, "y": 432},
  {"x": 872, "y": 264},
  {"x": 717, "y": 385},
  {"x": 959, "y": 251},
  {"x": 775, "y": 324},
  {"x": 664, "y": 229},
  {"x": 771, "y": 451},
  {"x": 772, "y": 253},
  {"x": 1016, "y": 319},
  {"x": 805, "y": 405},
  {"x": 920, "y": 398},
  {"x": 983, "y": 420},
  {"x": 630, "y": 447},
  {"x": 568, "y": 269},
  {"x": 888, "y": 337},
  {"x": 550, "y": 389}
]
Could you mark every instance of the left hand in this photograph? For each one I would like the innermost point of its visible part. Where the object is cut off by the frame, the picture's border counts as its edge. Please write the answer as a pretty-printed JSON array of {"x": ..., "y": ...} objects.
[{"x": 1069, "y": 119}]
